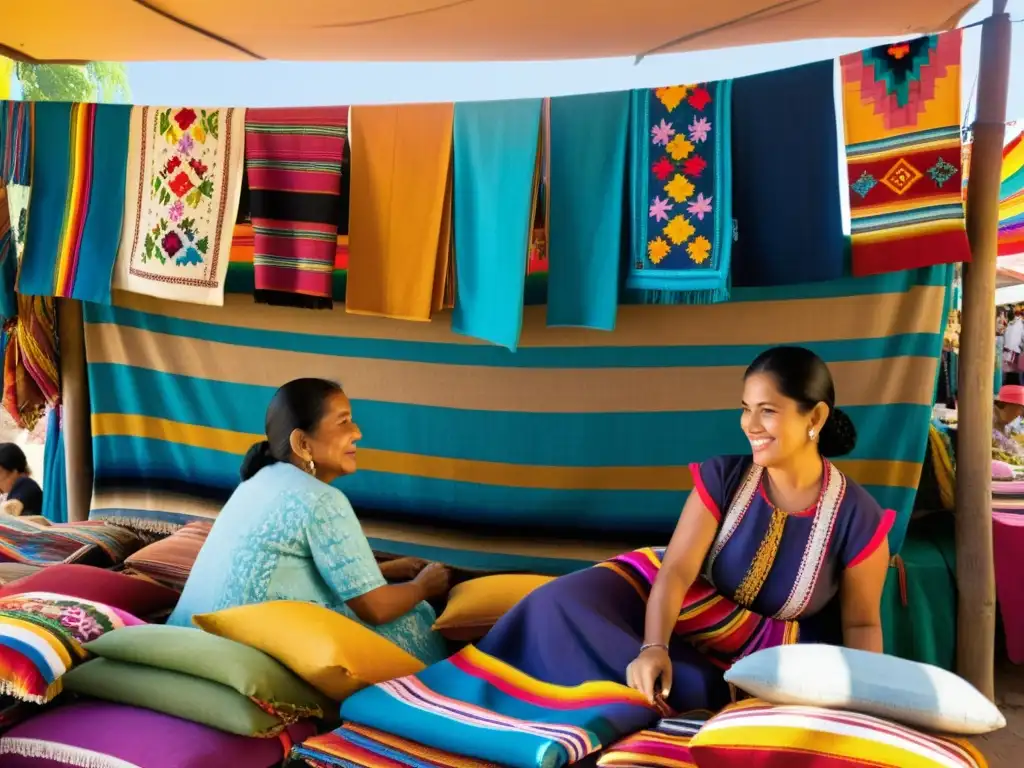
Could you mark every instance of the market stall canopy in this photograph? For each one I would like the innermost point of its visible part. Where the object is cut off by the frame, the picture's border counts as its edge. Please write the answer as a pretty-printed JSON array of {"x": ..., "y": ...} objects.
[{"x": 437, "y": 30}]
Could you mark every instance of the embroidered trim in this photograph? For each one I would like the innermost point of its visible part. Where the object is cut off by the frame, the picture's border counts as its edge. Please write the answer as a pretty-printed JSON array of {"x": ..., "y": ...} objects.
[
  {"x": 761, "y": 565},
  {"x": 833, "y": 493},
  {"x": 737, "y": 509}
]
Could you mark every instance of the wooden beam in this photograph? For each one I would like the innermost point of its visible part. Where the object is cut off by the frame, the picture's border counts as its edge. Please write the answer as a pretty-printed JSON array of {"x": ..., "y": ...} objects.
[
  {"x": 75, "y": 400},
  {"x": 976, "y": 613}
]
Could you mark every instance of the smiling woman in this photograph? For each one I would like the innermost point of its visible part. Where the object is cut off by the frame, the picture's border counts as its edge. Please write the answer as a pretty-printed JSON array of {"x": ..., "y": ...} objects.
[{"x": 286, "y": 534}]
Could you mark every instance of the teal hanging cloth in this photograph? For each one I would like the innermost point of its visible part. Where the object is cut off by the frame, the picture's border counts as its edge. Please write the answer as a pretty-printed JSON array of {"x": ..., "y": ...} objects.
[
  {"x": 55, "y": 476},
  {"x": 587, "y": 158},
  {"x": 680, "y": 155},
  {"x": 496, "y": 147}
]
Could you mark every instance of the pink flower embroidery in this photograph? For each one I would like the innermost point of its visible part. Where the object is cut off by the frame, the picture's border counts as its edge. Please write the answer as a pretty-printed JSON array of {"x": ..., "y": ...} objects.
[
  {"x": 82, "y": 625},
  {"x": 659, "y": 209},
  {"x": 662, "y": 133},
  {"x": 176, "y": 211},
  {"x": 700, "y": 206},
  {"x": 186, "y": 144},
  {"x": 699, "y": 129}
]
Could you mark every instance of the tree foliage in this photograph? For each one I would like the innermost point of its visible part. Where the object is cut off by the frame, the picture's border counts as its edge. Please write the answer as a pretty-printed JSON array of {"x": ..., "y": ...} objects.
[{"x": 100, "y": 81}]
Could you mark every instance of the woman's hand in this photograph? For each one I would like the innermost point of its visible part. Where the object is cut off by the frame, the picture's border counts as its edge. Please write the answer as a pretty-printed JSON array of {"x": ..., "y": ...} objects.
[
  {"x": 651, "y": 674},
  {"x": 434, "y": 580},
  {"x": 402, "y": 568}
]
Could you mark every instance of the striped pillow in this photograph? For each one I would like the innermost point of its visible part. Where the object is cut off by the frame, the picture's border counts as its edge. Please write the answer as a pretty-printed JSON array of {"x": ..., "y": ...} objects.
[
  {"x": 667, "y": 744},
  {"x": 753, "y": 734}
]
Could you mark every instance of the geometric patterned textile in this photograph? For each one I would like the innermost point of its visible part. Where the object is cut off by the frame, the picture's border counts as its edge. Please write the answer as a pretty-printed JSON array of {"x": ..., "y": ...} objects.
[{"x": 901, "y": 105}]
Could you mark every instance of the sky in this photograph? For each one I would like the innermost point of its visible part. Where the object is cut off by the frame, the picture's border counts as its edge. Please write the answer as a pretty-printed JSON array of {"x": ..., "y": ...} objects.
[{"x": 258, "y": 84}]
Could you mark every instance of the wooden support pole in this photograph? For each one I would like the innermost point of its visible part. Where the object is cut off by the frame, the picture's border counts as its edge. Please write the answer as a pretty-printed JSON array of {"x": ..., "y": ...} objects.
[
  {"x": 75, "y": 399},
  {"x": 976, "y": 614}
]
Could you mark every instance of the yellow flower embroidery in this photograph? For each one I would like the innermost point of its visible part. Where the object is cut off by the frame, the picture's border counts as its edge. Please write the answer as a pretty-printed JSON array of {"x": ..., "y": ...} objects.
[
  {"x": 172, "y": 134},
  {"x": 680, "y": 188},
  {"x": 198, "y": 132},
  {"x": 680, "y": 147},
  {"x": 672, "y": 96},
  {"x": 679, "y": 230},
  {"x": 699, "y": 249},
  {"x": 657, "y": 250}
]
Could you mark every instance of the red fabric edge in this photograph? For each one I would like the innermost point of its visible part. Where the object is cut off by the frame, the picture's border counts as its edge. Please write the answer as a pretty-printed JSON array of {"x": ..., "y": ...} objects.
[
  {"x": 888, "y": 520},
  {"x": 702, "y": 491}
]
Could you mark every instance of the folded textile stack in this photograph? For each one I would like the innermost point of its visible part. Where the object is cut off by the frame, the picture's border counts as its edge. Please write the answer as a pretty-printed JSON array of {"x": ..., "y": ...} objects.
[
  {"x": 30, "y": 543},
  {"x": 820, "y": 705},
  {"x": 100, "y": 734},
  {"x": 169, "y": 561},
  {"x": 197, "y": 677}
]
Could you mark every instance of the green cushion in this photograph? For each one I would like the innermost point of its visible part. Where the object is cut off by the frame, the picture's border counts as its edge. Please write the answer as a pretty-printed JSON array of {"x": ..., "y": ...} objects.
[
  {"x": 249, "y": 672},
  {"x": 173, "y": 693}
]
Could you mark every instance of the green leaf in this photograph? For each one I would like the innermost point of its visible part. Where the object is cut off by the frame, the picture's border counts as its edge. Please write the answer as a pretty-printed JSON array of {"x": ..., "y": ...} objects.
[
  {"x": 206, "y": 188},
  {"x": 202, "y": 245},
  {"x": 148, "y": 247},
  {"x": 165, "y": 121},
  {"x": 188, "y": 223},
  {"x": 193, "y": 198},
  {"x": 213, "y": 124}
]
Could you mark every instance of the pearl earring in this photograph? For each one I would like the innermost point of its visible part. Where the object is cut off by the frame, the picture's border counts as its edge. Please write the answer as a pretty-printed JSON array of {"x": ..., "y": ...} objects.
[{"x": 811, "y": 434}]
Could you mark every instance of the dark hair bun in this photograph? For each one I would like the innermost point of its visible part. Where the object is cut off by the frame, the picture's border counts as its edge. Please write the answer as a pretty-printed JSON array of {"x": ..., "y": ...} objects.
[
  {"x": 838, "y": 436},
  {"x": 256, "y": 458}
]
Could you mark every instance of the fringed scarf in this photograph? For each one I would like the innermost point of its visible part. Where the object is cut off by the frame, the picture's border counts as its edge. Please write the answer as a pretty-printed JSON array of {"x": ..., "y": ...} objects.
[
  {"x": 31, "y": 375},
  {"x": 294, "y": 160},
  {"x": 682, "y": 194}
]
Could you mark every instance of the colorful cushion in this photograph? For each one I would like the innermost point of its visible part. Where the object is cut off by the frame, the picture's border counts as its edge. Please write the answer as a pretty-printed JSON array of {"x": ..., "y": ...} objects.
[
  {"x": 357, "y": 745},
  {"x": 667, "y": 744},
  {"x": 897, "y": 689},
  {"x": 104, "y": 735},
  {"x": 754, "y": 734},
  {"x": 41, "y": 637},
  {"x": 170, "y": 560},
  {"x": 199, "y": 654},
  {"x": 331, "y": 652},
  {"x": 475, "y": 606},
  {"x": 138, "y": 597},
  {"x": 173, "y": 693},
  {"x": 23, "y": 540}
]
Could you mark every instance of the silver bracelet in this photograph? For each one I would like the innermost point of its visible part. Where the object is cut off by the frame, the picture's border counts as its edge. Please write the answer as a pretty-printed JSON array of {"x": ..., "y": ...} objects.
[{"x": 648, "y": 646}]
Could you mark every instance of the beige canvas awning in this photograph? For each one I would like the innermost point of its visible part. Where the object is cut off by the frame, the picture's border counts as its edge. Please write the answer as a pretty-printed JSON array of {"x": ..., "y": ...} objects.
[{"x": 438, "y": 30}]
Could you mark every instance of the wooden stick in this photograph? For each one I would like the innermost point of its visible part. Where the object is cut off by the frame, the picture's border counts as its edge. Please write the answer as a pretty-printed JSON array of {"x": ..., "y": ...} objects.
[
  {"x": 75, "y": 398},
  {"x": 976, "y": 613}
]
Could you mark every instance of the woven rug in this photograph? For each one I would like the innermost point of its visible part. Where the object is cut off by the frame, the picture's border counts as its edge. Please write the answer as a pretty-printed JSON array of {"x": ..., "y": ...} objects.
[
  {"x": 293, "y": 160},
  {"x": 901, "y": 104}
]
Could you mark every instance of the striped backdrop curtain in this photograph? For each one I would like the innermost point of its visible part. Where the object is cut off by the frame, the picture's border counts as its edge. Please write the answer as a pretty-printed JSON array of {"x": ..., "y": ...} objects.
[{"x": 573, "y": 448}]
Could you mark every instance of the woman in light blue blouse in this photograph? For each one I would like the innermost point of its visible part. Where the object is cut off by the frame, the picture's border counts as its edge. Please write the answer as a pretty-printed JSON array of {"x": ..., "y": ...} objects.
[{"x": 286, "y": 534}]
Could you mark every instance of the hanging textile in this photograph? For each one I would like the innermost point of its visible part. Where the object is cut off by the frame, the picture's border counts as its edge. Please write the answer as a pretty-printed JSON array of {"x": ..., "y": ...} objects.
[
  {"x": 15, "y": 141},
  {"x": 78, "y": 191},
  {"x": 901, "y": 105},
  {"x": 497, "y": 167},
  {"x": 184, "y": 178},
  {"x": 18, "y": 197},
  {"x": 682, "y": 194},
  {"x": 399, "y": 230},
  {"x": 1011, "y": 199},
  {"x": 31, "y": 374},
  {"x": 785, "y": 178},
  {"x": 55, "y": 478},
  {"x": 8, "y": 262},
  {"x": 587, "y": 158},
  {"x": 293, "y": 161}
]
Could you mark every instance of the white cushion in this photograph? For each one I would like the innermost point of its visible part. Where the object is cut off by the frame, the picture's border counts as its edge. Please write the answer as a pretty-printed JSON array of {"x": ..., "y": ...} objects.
[{"x": 871, "y": 683}]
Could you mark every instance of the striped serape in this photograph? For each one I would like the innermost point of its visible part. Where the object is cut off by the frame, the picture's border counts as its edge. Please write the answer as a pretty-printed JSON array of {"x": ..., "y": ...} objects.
[
  {"x": 666, "y": 745},
  {"x": 356, "y": 745},
  {"x": 15, "y": 141},
  {"x": 293, "y": 158}
]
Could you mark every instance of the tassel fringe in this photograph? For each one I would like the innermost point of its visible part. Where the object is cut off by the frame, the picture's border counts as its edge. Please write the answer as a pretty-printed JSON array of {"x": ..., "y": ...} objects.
[{"x": 60, "y": 753}]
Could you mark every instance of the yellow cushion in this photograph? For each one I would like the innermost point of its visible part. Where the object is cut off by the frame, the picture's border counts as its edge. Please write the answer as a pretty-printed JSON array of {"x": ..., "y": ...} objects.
[
  {"x": 474, "y": 606},
  {"x": 334, "y": 654}
]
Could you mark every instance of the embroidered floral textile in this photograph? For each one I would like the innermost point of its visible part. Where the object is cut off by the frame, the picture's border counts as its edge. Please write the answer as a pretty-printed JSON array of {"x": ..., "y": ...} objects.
[
  {"x": 681, "y": 194},
  {"x": 185, "y": 170}
]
